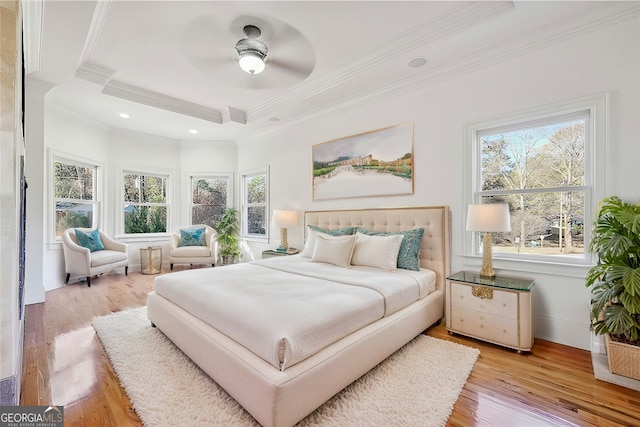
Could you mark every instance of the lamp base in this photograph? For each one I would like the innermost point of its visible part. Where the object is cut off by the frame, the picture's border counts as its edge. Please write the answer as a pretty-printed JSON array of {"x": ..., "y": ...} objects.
[
  {"x": 284, "y": 244},
  {"x": 487, "y": 257}
]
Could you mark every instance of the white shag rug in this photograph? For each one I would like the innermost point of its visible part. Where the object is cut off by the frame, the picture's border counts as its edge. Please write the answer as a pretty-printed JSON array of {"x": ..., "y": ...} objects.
[{"x": 416, "y": 386}]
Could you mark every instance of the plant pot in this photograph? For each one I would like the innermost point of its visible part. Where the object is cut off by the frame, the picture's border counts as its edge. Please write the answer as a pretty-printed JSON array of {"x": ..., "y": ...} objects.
[
  {"x": 624, "y": 359},
  {"x": 226, "y": 259}
]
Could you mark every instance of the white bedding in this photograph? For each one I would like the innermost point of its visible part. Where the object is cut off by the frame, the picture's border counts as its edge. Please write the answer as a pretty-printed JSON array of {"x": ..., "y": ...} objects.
[{"x": 328, "y": 302}]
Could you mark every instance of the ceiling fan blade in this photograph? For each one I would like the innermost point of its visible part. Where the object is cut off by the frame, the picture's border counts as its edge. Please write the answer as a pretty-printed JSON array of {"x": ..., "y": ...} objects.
[{"x": 301, "y": 69}]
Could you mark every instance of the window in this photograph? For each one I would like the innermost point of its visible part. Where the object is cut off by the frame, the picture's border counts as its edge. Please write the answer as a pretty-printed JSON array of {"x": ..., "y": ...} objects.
[
  {"x": 542, "y": 167},
  {"x": 255, "y": 205},
  {"x": 144, "y": 203},
  {"x": 210, "y": 197},
  {"x": 74, "y": 194}
]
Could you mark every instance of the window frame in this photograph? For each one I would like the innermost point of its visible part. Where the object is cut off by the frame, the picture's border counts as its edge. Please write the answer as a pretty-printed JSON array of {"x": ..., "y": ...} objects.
[
  {"x": 596, "y": 140},
  {"x": 190, "y": 176},
  {"x": 120, "y": 203},
  {"x": 98, "y": 167},
  {"x": 244, "y": 206}
]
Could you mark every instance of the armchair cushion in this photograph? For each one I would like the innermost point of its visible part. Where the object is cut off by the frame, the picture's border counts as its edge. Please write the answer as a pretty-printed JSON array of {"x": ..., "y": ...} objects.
[
  {"x": 89, "y": 240},
  {"x": 192, "y": 237}
]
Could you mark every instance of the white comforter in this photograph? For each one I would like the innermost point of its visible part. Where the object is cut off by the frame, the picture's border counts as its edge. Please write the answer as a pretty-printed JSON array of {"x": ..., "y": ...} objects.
[{"x": 287, "y": 309}]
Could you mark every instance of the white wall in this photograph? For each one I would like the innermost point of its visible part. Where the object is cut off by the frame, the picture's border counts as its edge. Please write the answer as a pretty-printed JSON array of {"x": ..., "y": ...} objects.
[{"x": 603, "y": 61}]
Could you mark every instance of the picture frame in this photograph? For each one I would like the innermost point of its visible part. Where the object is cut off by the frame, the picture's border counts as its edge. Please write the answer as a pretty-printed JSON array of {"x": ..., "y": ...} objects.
[{"x": 371, "y": 164}]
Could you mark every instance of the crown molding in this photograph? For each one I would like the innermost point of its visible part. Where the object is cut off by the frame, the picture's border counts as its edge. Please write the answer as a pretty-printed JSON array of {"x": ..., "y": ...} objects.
[
  {"x": 456, "y": 20},
  {"x": 94, "y": 73},
  {"x": 93, "y": 34},
  {"x": 168, "y": 103},
  {"x": 32, "y": 34},
  {"x": 466, "y": 63},
  {"x": 79, "y": 116},
  {"x": 37, "y": 86},
  {"x": 158, "y": 100}
]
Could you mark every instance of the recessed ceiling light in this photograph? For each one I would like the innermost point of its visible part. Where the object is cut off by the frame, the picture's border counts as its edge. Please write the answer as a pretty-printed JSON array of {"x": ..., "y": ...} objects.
[
  {"x": 124, "y": 115},
  {"x": 193, "y": 131},
  {"x": 417, "y": 62}
]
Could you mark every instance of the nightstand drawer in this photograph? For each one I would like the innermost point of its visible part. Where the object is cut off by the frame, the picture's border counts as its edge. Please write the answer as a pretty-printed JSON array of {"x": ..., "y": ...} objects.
[
  {"x": 490, "y": 327},
  {"x": 489, "y": 300}
]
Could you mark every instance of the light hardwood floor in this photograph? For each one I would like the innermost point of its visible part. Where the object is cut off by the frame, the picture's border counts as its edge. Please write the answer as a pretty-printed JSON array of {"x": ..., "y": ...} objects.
[{"x": 65, "y": 364}]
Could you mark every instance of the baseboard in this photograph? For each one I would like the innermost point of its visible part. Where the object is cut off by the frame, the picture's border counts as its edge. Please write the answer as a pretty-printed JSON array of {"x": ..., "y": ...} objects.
[{"x": 601, "y": 372}]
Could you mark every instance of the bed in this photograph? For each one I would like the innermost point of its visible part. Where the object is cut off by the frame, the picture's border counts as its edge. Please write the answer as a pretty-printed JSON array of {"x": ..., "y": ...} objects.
[{"x": 282, "y": 365}]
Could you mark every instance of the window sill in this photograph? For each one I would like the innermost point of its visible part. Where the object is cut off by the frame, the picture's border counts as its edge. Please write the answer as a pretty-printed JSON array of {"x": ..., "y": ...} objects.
[{"x": 566, "y": 269}]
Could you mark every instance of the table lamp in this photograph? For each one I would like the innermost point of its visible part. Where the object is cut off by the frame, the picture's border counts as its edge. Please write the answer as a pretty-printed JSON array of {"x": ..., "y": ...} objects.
[
  {"x": 487, "y": 219},
  {"x": 284, "y": 219}
]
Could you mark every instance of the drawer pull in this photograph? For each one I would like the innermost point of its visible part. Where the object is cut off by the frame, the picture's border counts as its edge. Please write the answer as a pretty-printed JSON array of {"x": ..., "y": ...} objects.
[{"x": 482, "y": 292}]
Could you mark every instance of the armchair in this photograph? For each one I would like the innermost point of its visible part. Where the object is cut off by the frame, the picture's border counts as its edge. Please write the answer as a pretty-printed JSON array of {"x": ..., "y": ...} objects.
[
  {"x": 207, "y": 254},
  {"x": 80, "y": 260}
]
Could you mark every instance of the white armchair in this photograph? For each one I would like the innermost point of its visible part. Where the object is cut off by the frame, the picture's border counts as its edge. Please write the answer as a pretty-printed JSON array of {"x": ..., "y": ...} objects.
[
  {"x": 81, "y": 261},
  {"x": 207, "y": 254}
]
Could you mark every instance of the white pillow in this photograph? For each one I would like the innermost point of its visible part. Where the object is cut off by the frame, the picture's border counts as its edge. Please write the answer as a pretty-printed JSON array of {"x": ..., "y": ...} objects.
[
  {"x": 377, "y": 251},
  {"x": 310, "y": 244},
  {"x": 336, "y": 250}
]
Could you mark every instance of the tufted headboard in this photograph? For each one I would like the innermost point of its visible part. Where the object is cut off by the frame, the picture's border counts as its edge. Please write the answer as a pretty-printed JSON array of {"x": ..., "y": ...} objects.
[{"x": 435, "y": 247}]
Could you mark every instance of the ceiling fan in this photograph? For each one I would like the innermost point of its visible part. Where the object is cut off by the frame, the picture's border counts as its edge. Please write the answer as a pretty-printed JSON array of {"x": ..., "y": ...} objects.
[
  {"x": 252, "y": 51},
  {"x": 206, "y": 45}
]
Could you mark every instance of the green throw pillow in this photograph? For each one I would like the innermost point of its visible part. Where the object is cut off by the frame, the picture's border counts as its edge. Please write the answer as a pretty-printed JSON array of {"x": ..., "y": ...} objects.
[
  {"x": 192, "y": 237},
  {"x": 346, "y": 231},
  {"x": 409, "y": 255},
  {"x": 90, "y": 240}
]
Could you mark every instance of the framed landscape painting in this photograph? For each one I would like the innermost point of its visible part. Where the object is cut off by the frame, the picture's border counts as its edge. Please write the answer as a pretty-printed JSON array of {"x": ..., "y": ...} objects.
[{"x": 375, "y": 163}]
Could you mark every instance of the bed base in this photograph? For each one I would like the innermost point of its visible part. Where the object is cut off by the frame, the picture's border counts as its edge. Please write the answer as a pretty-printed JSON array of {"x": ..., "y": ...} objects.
[{"x": 282, "y": 398}]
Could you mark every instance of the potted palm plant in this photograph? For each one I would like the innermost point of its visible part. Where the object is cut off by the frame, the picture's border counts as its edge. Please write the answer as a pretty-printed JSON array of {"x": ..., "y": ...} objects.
[
  {"x": 615, "y": 284},
  {"x": 228, "y": 241}
]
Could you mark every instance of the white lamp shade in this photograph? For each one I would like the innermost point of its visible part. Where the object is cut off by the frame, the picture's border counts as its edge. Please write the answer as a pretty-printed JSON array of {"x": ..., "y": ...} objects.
[
  {"x": 489, "y": 218},
  {"x": 251, "y": 63},
  {"x": 285, "y": 219}
]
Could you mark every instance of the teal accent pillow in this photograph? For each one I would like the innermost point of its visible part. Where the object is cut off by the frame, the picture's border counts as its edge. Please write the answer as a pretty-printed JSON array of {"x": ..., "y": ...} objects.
[
  {"x": 90, "y": 240},
  {"x": 346, "y": 231},
  {"x": 192, "y": 237},
  {"x": 409, "y": 255}
]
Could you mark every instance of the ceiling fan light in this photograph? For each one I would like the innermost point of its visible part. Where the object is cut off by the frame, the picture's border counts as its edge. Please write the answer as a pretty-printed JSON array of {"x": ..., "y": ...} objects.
[{"x": 251, "y": 62}]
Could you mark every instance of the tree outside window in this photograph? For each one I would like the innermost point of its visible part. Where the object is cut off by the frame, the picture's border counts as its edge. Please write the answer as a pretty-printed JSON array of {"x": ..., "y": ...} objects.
[
  {"x": 145, "y": 203},
  {"x": 538, "y": 168},
  {"x": 209, "y": 199},
  {"x": 255, "y": 215},
  {"x": 74, "y": 195}
]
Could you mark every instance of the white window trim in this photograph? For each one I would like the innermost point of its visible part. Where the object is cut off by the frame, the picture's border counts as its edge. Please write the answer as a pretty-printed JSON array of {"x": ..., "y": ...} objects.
[
  {"x": 98, "y": 190},
  {"x": 243, "y": 222},
  {"x": 119, "y": 201},
  {"x": 595, "y": 178},
  {"x": 188, "y": 188}
]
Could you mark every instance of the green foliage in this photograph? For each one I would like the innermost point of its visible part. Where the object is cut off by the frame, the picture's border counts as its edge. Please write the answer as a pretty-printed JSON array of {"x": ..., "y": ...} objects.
[
  {"x": 145, "y": 219},
  {"x": 323, "y": 171},
  {"x": 615, "y": 279},
  {"x": 73, "y": 220},
  {"x": 228, "y": 229}
]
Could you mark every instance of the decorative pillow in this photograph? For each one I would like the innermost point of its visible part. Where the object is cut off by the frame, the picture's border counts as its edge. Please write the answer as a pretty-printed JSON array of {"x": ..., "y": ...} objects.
[
  {"x": 336, "y": 250},
  {"x": 313, "y": 231},
  {"x": 409, "y": 255},
  {"x": 377, "y": 251},
  {"x": 192, "y": 236},
  {"x": 90, "y": 240}
]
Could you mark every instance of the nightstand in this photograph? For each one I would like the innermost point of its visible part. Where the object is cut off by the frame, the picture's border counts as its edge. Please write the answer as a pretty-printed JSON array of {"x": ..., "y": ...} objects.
[
  {"x": 496, "y": 310},
  {"x": 271, "y": 253}
]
